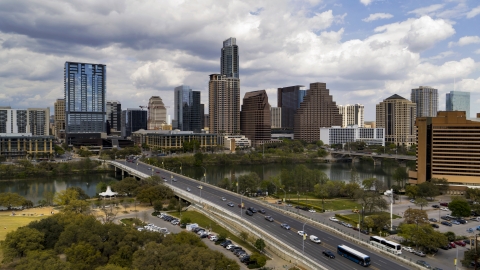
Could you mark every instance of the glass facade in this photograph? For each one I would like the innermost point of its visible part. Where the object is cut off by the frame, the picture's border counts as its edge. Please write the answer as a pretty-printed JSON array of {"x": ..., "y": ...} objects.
[
  {"x": 426, "y": 99},
  {"x": 188, "y": 111},
  {"x": 133, "y": 120},
  {"x": 85, "y": 90},
  {"x": 289, "y": 99},
  {"x": 229, "y": 62},
  {"x": 458, "y": 101}
]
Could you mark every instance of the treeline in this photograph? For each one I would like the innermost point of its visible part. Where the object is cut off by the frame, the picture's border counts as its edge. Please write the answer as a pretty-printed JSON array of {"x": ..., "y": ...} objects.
[
  {"x": 71, "y": 240},
  {"x": 24, "y": 168}
]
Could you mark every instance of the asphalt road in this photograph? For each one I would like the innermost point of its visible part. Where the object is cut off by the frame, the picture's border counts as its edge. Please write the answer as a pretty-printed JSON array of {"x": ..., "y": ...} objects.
[{"x": 314, "y": 251}]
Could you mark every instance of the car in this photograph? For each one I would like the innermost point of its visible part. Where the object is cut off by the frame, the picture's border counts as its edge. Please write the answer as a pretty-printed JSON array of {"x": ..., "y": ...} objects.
[
  {"x": 432, "y": 219},
  {"x": 444, "y": 204},
  {"x": 424, "y": 264},
  {"x": 199, "y": 186},
  {"x": 165, "y": 180},
  {"x": 188, "y": 189},
  {"x": 329, "y": 254},
  {"x": 225, "y": 243},
  {"x": 455, "y": 222},
  {"x": 285, "y": 226},
  {"x": 334, "y": 219},
  {"x": 262, "y": 211},
  {"x": 163, "y": 177},
  {"x": 435, "y": 225},
  {"x": 251, "y": 209},
  {"x": 223, "y": 199},
  {"x": 315, "y": 239},
  {"x": 452, "y": 245},
  {"x": 269, "y": 218},
  {"x": 419, "y": 253},
  {"x": 462, "y": 221},
  {"x": 302, "y": 233},
  {"x": 445, "y": 218},
  {"x": 446, "y": 223},
  {"x": 230, "y": 246},
  {"x": 248, "y": 212},
  {"x": 348, "y": 225},
  {"x": 289, "y": 205},
  {"x": 237, "y": 252},
  {"x": 412, "y": 201},
  {"x": 230, "y": 204},
  {"x": 355, "y": 210},
  {"x": 245, "y": 259},
  {"x": 149, "y": 168},
  {"x": 364, "y": 232},
  {"x": 356, "y": 229},
  {"x": 157, "y": 171},
  {"x": 174, "y": 179},
  {"x": 460, "y": 243},
  {"x": 408, "y": 249},
  {"x": 243, "y": 207},
  {"x": 436, "y": 206},
  {"x": 279, "y": 201},
  {"x": 312, "y": 211},
  {"x": 447, "y": 247}
]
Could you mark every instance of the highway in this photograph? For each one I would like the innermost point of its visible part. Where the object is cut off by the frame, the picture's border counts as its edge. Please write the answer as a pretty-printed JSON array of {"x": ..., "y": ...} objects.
[{"x": 290, "y": 237}]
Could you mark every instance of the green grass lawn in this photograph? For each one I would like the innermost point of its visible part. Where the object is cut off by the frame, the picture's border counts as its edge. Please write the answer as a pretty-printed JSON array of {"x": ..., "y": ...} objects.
[
  {"x": 205, "y": 222},
  {"x": 9, "y": 223},
  {"x": 332, "y": 204}
]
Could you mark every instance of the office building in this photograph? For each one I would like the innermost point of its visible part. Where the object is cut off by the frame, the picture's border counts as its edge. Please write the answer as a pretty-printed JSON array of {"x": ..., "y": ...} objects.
[
  {"x": 232, "y": 142},
  {"x": 59, "y": 119},
  {"x": 349, "y": 134},
  {"x": 157, "y": 113},
  {"x": 133, "y": 120},
  {"x": 316, "y": 111},
  {"x": 25, "y": 145},
  {"x": 229, "y": 61},
  {"x": 289, "y": 99},
  {"x": 171, "y": 139},
  {"x": 370, "y": 124},
  {"x": 255, "y": 118},
  {"x": 458, "y": 101},
  {"x": 35, "y": 121},
  {"x": 397, "y": 116},
  {"x": 114, "y": 116},
  {"x": 224, "y": 104},
  {"x": 276, "y": 115},
  {"x": 447, "y": 147},
  {"x": 352, "y": 115},
  {"x": 188, "y": 112},
  {"x": 426, "y": 98},
  {"x": 85, "y": 91}
]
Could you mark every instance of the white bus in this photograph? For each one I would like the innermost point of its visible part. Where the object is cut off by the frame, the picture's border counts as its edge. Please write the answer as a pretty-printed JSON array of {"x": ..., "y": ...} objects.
[
  {"x": 353, "y": 255},
  {"x": 383, "y": 243}
]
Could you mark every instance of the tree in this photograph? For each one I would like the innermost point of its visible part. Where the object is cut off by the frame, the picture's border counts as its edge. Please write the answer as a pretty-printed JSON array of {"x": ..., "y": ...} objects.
[
  {"x": 450, "y": 236},
  {"x": 400, "y": 175},
  {"x": 157, "y": 206},
  {"x": 260, "y": 244},
  {"x": 415, "y": 216},
  {"x": 42, "y": 260},
  {"x": 154, "y": 193},
  {"x": 185, "y": 220},
  {"x": 18, "y": 243},
  {"x": 422, "y": 235},
  {"x": 428, "y": 190},
  {"x": 128, "y": 185},
  {"x": 379, "y": 221},
  {"x": 64, "y": 197},
  {"x": 421, "y": 202},
  {"x": 411, "y": 191},
  {"x": 84, "y": 256},
  {"x": 441, "y": 183},
  {"x": 9, "y": 200},
  {"x": 372, "y": 201},
  {"x": 259, "y": 258},
  {"x": 459, "y": 207}
]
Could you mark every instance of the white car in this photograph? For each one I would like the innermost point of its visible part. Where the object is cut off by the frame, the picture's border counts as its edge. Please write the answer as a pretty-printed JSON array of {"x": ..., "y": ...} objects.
[
  {"x": 334, "y": 219},
  {"x": 444, "y": 209},
  {"x": 312, "y": 211},
  {"x": 230, "y": 247},
  {"x": 315, "y": 239},
  {"x": 409, "y": 249},
  {"x": 188, "y": 189},
  {"x": 213, "y": 238},
  {"x": 301, "y": 233},
  {"x": 223, "y": 199}
]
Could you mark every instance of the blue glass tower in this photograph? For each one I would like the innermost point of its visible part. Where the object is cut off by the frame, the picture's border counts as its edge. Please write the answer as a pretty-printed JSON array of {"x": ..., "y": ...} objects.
[{"x": 458, "y": 101}]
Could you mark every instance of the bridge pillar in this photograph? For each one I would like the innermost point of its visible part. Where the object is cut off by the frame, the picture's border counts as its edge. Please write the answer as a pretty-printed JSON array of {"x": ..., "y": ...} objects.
[{"x": 123, "y": 174}]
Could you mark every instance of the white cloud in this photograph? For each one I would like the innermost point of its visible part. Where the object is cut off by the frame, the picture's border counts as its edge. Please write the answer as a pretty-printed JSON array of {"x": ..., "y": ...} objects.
[
  {"x": 465, "y": 41},
  {"x": 378, "y": 16},
  {"x": 477, "y": 51},
  {"x": 474, "y": 12},
  {"x": 366, "y": 2},
  {"x": 430, "y": 10}
]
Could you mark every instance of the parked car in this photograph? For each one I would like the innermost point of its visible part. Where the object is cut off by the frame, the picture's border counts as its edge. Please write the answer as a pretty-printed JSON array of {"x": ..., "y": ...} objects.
[
  {"x": 348, "y": 225},
  {"x": 444, "y": 209},
  {"x": 462, "y": 221},
  {"x": 452, "y": 245},
  {"x": 334, "y": 219},
  {"x": 412, "y": 201},
  {"x": 445, "y": 218},
  {"x": 312, "y": 211},
  {"x": 435, "y": 225},
  {"x": 446, "y": 223},
  {"x": 329, "y": 254},
  {"x": 460, "y": 243},
  {"x": 419, "y": 253},
  {"x": 269, "y": 218},
  {"x": 364, "y": 232},
  {"x": 424, "y": 264},
  {"x": 213, "y": 238},
  {"x": 408, "y": 249},
  {"x": 443, "y": 204},
  {"x": 432, "y": 220},
  {"x": 285, "y": 226},
  {"x": 435, "y": 206},
  {"x": 447, "y": 247},
  {"x": 455, "y": 222}
]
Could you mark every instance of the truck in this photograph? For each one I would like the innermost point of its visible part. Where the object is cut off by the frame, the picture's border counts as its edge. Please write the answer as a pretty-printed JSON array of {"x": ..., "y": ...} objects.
[
  {"x": 191, "y": 226},
  {"x": 315, "y": 239}
]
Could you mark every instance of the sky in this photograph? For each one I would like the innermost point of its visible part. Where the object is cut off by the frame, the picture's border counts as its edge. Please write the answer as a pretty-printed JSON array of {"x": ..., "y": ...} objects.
[{"x": 364, "y": 50}]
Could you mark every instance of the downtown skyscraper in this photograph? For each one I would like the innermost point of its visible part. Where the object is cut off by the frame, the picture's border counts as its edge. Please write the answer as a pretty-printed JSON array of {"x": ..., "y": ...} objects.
[
  {"x": 289, "y": 100},
  {"x": 224, "y": 92},
  {"x": 188, "y": 112},
  {"x": 426, "y": 98},
  {"x": 458, "y": 101},
  {"x": 85, "y": 90}
]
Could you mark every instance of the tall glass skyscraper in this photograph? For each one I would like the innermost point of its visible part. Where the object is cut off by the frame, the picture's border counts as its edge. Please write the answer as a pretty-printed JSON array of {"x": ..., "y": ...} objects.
[
  {"x": 85, "y": 91},
  {"x": 289, "y": 99},
  {"x": 229, "y": 61},
  {"x": 458, "y": 101},
  {"x": 426, "y": 98},
  {"x": 188, "y": 111}
]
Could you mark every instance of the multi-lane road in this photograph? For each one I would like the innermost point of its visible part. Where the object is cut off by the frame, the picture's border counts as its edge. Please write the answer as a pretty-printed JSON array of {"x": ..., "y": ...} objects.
[{"x": 289, "y": 237}]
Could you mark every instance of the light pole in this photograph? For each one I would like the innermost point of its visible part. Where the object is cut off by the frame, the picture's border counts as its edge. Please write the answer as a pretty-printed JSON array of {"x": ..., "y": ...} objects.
[
  {"x": 204, "y": 174},
  {"x": 181, "y": 170},
  {"x": 358, "y": 225},
  {"x": 303, "y": 238},
  {"x": 284, "y": 198}
]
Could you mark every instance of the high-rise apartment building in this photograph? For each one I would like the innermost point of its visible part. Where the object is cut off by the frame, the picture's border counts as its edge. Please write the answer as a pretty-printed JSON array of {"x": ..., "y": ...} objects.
[
  {"x": 157, "y": 113},
  {"x": 276, "y": 115},
  {"x": 289, "y": 99},
  {"x": 352, "y": 115},
  {"x": 255, "y": 119},
  {"x": 397, "y": 116},
  {"x": 224, "y": 104},
  {"x": 316, "y": 111},
  {"x": 188, "y": 112},
  {"x": 229, "y": 61},
  {"x": 426, "y": 98},
  {"x": 133, "y": 120},
  {"x": 458, "y": 101},
  {"x": 447, "y": 147},
  {"x": 85, "y": 91},
  {"x": 33, "y": 120},
  {"x": 59, "y": 118},
  {"x": 114, "y": 116}
]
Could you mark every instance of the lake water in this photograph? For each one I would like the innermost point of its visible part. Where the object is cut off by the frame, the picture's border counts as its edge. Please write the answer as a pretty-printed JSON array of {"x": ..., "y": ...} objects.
[{"x": 33, "y": 189}]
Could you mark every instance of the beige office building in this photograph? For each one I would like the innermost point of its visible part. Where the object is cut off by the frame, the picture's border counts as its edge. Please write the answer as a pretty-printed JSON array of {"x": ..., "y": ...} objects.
[
  {"x": 59, "y": 119},
  {"x": 448, "y": 146},
  {"x": 224, "y": 104},
  {"x": 397, "y": 116},
  {"x": 255, "y": 121},
  {"x": 352, "y": 115},
  {"x": 157, "y": 114},
  {"x": 276, "y": 115}
]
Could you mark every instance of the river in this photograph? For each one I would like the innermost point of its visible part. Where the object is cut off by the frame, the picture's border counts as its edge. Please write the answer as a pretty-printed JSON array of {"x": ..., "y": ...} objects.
[{"x": 33, "y": 189}]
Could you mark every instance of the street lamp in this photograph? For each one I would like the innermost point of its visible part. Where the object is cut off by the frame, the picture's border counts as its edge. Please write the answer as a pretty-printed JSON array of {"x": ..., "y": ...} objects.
[
  {"x": 303, "y": 238},
  {"x": 181, "y": 165},
  {"x": 284, "y": 198},
  {"x": 204, "y": 174}
]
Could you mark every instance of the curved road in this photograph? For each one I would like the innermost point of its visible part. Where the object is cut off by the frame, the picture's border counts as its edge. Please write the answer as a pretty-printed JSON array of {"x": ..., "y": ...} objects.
[{"x": 314, "y": 251}]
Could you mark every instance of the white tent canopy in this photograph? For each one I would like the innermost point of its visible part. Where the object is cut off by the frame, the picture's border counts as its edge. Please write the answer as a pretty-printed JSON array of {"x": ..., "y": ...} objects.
[{"x": 109, "y": 193}]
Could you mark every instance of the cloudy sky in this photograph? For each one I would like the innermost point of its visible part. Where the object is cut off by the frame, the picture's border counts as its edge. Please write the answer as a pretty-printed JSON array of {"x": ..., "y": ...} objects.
[{"x": 365, "y": 50}]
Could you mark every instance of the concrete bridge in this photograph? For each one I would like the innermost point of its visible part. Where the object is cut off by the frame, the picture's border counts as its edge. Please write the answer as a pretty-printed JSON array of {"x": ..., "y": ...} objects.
[{"x": 377, "y": 158}]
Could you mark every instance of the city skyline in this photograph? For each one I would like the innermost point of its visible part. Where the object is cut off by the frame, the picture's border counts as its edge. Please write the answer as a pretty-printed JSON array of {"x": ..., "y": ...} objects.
[{"x": 388, "y": 48}]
